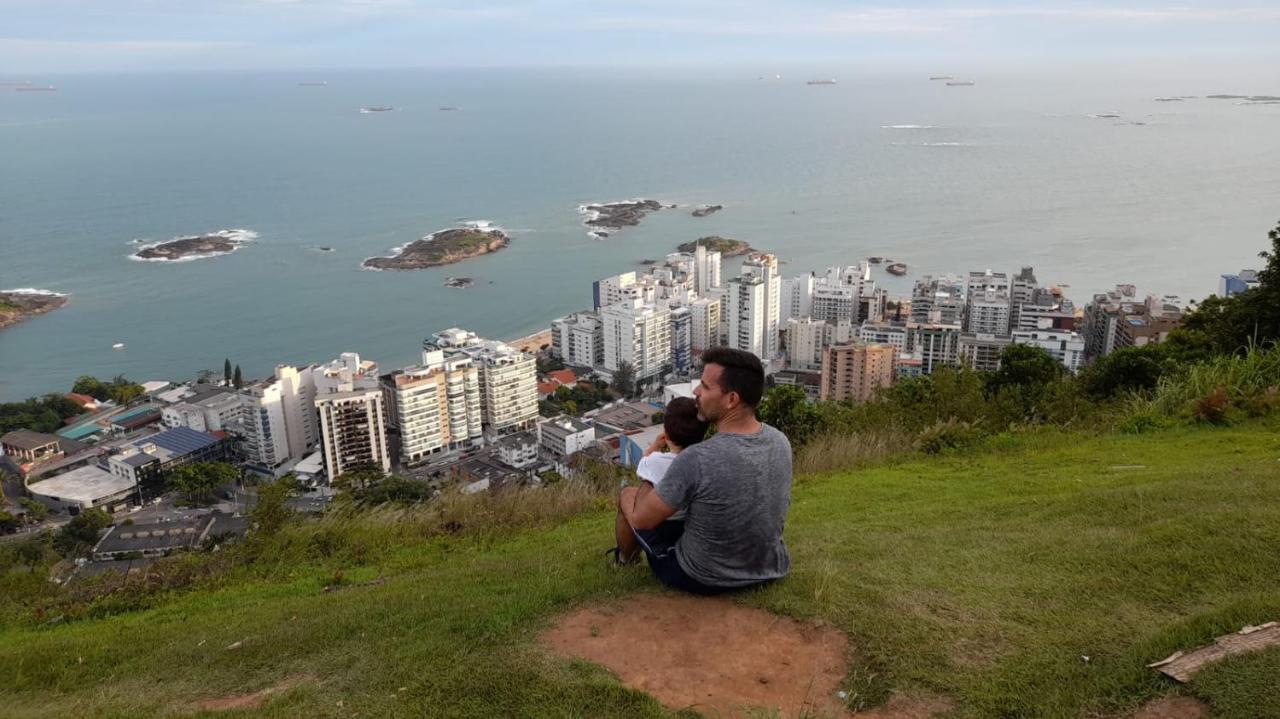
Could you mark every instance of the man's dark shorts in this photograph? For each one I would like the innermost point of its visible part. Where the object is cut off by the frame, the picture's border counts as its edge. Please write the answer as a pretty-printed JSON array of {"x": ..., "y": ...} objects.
[{"x": 659, "y": 545}]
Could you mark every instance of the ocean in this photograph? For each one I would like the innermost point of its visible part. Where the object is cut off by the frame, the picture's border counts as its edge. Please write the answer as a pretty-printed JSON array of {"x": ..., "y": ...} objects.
[{"x": 1012, "y": 171}]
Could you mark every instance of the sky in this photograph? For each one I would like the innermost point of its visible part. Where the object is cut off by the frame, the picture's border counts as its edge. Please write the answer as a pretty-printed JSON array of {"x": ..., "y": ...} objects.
[{"x": 62, "y": 36}]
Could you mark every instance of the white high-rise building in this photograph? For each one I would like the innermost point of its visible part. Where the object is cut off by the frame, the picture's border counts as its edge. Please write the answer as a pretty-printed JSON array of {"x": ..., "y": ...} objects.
[
  {"x": 266, "y": 436},
  {"x": 752, "y": 306},
  {"x": 278, "y": 418},
  {"x": 639, "y": 335},
  {"x": 745, "y": 315},
  {"x": 618, "y": 288},
  {"x": 298, "y": 397},
  {"x": 705, "y": 327},
  {"x": 835, "y": 303},
  {"x": 508, "y": 379},
  {"x": 989, "y": 313},
  {"x": 706, "y": 270},
  {"x": 806, "y": 338},
  {"x": 578, "y": 339},
  {"x": 884, "y": 333},
  {"x": 351, "y": 415},
  {"x": 934, "y": 345},
  {"x": 1066, "y": 346},
  {"x": 797, "y": 297},
  {"x": 681, "y": 339}
]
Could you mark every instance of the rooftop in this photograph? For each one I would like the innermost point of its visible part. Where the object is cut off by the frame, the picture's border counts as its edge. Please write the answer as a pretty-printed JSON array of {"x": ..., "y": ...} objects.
[
  {"x": 86, "y": 484},
  {"x": 565, "y": 423},
  {"x": 26, "y": 439}
]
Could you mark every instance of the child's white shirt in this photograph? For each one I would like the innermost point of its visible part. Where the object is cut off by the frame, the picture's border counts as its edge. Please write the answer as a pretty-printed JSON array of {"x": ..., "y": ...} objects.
[{"x": 653, "y": 467}]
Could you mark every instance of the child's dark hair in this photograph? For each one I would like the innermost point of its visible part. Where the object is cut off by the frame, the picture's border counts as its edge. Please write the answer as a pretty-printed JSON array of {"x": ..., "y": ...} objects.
[{"x": 681, "y": 424}]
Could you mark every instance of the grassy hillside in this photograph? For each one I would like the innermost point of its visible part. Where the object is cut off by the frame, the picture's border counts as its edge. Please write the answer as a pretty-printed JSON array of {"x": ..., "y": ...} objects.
[{"x": 986, "y": 577}]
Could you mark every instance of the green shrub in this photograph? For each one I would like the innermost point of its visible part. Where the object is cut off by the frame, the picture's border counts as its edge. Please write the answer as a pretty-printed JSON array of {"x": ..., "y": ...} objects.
[{"x": 948, "y": 436}]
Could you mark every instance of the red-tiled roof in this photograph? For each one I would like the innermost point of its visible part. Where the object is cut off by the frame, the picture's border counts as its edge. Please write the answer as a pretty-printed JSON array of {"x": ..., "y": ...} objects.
[
  {"x": 546, "y": 388},
  {"x": 83, "y": 400}
]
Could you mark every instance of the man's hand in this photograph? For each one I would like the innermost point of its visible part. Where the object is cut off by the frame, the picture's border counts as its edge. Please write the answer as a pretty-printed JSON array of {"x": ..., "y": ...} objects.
[{"x": 643, "y": 508}]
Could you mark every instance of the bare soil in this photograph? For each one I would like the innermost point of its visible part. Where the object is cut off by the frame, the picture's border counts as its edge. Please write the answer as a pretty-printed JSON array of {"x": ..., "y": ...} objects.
[
  {"x": 711, "y": 655},
  {"x": 1173, "y": 708},
  {"x": 253, "y": 700}
]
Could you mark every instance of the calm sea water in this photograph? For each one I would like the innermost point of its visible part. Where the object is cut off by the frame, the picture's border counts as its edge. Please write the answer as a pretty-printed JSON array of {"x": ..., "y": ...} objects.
[{"x": 1005, "y": 173}]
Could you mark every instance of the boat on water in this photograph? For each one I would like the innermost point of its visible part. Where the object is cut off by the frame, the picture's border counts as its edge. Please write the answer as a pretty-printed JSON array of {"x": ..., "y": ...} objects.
[
  {"x": 118, "y": 346},
  {"x": 375, "y": 108},
  {"x": 321, "y": 83},
  {"x": 448, "y": 108},
  {"x": 831, "y": 81},
  {"x": 875, "y": 260},
  {"x": 961, "y": 83},
  {"x": 897, "y": 268},
  {"x": 30, "y": 88},
  {"x": 941, "y": 77}
]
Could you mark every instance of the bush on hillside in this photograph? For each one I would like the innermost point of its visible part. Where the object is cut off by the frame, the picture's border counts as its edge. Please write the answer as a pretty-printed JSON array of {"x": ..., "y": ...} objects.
[{"x": 948, "y": 436}]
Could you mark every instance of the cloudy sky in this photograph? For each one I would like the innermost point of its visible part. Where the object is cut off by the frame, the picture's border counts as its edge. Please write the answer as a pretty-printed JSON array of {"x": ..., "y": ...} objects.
[{"x": 159, "y": 35}]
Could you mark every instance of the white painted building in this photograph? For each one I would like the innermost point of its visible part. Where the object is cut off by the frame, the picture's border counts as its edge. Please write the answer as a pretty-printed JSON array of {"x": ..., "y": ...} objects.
[
  {"x": 706, "y": 270},
  {"x": 705, "y": 324},
  {"x": 751, "y": 307},
  {"x": 806, "y": 339},
  {"x": 508, "y": 379},
  {"x": 637, "y": 334},
  {"x": 797, "y": 297},
  {"x": 578, "y": 339},
  {"x": 564, "y": 435},
  {"x": 351, "y": 415},
  {"x": 1066, "y": 346},
  {"x": 884, "y": 333}
]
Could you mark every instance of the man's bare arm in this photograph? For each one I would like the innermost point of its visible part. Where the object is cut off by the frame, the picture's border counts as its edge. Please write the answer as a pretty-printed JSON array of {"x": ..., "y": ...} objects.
[{"x": 643, "y": 508}]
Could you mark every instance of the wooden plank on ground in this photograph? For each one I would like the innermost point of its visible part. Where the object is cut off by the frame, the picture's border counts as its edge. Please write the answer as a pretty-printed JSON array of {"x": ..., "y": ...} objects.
[{"x": 1184, "y": 665}]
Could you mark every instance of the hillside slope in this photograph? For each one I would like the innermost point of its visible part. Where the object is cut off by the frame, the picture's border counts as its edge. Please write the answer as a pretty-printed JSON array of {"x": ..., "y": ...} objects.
[{"x": 986, "y": 578}]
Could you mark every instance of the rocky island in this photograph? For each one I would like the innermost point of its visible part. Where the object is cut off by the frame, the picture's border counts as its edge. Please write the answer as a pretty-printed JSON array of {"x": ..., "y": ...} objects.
[
  {"x": 704, "y": 210},
  {"x": 443, "y": 247},
  {"x": 195, "y": 247},
  {"x": 616, "y": 215},
  {"x": 725, "y": 246},
  {"x": 459, "y": 283},
  {"x": 19, "y": 305}
]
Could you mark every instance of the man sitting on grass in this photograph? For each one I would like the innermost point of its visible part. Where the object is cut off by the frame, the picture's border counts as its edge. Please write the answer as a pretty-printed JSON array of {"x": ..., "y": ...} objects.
[{"x": 734, "y": 487}]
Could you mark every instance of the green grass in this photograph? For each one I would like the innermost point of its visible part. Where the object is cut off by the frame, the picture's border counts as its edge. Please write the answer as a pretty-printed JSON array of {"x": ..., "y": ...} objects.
[{"x": 985, "y": 577}]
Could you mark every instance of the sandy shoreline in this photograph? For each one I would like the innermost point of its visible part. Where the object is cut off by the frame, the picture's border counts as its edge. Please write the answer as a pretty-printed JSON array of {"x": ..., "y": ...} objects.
[{"x": 533, "y": 342}]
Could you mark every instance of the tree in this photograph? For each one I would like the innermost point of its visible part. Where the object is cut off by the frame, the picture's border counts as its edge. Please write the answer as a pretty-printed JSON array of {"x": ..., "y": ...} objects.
[
  {"x": 1024, "y": 366},
  {"x": 359, "y": 477},
  {"x": 787, "y": 409},
  {"x": 226, "y": 372},
  {"x": 198, "y": 481},
  {"x": 79, "y": 535},
  {"x": 32, "y": 552},
  {"x": 36, "y": 512},
  {"x": 1227, "y": 325},
  {"x": 1126, "y": 370},
  {"x": 272, "y": 509},
  {"x": 624, "y": 379},
  {"x": 236, "y": 379}
]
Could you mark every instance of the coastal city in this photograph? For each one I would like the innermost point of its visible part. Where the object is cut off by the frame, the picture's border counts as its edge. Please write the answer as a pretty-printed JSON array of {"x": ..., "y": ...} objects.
[{"x": 480, "y": 414}]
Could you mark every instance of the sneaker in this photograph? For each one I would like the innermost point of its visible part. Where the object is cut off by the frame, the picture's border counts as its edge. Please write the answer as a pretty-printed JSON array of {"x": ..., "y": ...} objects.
[{"x": 615, "y": 555}]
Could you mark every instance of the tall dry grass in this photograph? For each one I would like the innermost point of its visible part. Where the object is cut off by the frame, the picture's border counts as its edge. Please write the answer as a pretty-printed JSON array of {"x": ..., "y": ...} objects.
[{"x": 837, "y": 451}]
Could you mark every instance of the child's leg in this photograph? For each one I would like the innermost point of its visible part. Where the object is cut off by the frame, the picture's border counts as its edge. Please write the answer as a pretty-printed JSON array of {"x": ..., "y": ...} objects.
[{"x": 623, "y": 535}]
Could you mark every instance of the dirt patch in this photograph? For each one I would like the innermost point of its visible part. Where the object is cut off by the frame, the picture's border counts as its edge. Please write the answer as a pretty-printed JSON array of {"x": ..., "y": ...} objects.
[
  {"x": 909, "y": 706},
  {"x": 712, "y": 655},
  {"x": 245, "y": 701},
  {"x": 1173, "y": 708}
]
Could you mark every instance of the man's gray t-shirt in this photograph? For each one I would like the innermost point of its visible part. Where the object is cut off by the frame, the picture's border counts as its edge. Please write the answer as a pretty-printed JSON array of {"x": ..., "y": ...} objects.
[{"x": 736, "y": 489}]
